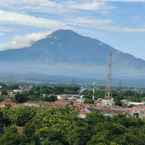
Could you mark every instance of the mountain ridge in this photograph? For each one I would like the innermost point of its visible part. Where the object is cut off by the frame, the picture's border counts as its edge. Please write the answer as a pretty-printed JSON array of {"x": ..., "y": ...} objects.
[{"x": 65, "y": 52}]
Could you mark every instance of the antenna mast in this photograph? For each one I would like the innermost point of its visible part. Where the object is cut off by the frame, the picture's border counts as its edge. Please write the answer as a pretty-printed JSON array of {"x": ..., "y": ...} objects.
[{"x": 108, "y": 93}]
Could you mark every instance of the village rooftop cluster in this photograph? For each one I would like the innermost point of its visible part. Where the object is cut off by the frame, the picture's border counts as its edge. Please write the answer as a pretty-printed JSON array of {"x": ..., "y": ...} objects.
[{"x": 19, "y": 95}]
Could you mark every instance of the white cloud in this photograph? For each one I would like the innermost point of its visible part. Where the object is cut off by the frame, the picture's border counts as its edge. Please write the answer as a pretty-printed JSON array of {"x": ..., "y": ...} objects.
[
  {"x": 90, "y": 22},
  {"x": 5, "y": 29},
  {"x": 65, "y": 6},
  {"x": 40, "y": 3},
  {"x": 130, "y": 0},
  {"x": 131, "y": 29},
  {"x": 6, "y": 2},
  {"x": 88, "y": 5},
  {"x": 126, "y": 0},
  {"x": 24, "y": 41},
  {"x": 68, "y": 21},
  {"x": 102, "y": 24},
  {"x": 28, "y": 20}
]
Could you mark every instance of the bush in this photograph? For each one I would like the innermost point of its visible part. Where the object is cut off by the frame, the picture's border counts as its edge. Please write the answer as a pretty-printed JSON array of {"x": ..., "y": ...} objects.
[
  {"x": 50, "y": 98},
  {"x": 20, "y": 98},
  {"x": 24, "y": 115}
]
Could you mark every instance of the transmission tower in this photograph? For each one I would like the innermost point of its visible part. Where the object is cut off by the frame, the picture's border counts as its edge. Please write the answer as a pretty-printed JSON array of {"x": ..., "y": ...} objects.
[{"x": 108, "y": 94}]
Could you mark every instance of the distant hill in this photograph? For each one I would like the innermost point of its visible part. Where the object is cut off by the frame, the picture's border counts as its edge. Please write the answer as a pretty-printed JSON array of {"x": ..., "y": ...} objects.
[{"x": 66, "y": 53}]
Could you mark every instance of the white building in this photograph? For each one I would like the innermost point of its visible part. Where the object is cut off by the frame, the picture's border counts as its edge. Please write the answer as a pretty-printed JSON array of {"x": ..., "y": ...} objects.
[
  {"x": 105, "y": 102},
  {"x": 129, "y": 103},
  {"x": 17, "y": 91},
  {"x": 68, "y": 96}
]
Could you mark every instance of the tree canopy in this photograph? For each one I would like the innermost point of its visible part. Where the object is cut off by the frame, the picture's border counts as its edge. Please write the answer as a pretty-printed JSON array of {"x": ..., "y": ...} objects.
[{"x": 62, "y": 126}]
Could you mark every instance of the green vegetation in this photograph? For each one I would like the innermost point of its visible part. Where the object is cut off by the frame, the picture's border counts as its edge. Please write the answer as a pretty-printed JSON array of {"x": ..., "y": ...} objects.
[
  {"x": 45, "y": 93},
  {"x": 48, "y": 93},
  {"x": 62, "y": 89},
  {"x": 49, "y": 98},
  {"x": 2, "y": 98},
  {"x": 21, "y": 97},
  {"x": 118, "y": 94},
  {"x": 131, "y": 95},
  {"x": 62, "y": 126},
  {"x": 43, "y": 126}
]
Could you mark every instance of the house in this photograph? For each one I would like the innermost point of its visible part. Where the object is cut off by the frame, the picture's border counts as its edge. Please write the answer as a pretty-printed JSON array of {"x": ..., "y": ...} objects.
[
  {"x": 137, "y": 111},
  {"x": 82, "y": 115},
  {"x": 105, "y": 102},
  {"x": 25, "y": 88},
  {"x": 10, "y": 94},
  {"x": 17, "y": 91},
  {"x": 68, "y": 96},
  {"x": 127, "y": 103}
]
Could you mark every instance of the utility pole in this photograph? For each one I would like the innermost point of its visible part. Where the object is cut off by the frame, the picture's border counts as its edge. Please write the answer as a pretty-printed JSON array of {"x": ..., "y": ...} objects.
[
  {"x": 93, "y": 97},
  {"x": 108, "y": 94},
  {"x": 93, "y": 91}
]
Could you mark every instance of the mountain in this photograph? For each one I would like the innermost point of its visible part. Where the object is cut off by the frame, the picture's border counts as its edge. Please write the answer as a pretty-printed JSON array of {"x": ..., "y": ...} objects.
[{"x": 67, "y": 53}]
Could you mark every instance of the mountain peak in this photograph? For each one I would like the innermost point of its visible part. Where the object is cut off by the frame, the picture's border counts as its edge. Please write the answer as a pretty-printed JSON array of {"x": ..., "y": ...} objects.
[{"x": 65, "y": 32}]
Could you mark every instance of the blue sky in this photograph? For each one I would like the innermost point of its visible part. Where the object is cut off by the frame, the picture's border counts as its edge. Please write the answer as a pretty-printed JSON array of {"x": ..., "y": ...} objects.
[{"x": 120, "y": 23}]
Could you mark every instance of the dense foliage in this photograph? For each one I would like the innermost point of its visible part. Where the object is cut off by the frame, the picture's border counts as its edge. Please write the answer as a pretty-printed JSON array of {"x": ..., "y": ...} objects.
[
  {"x": 43, "y": 126},
  {"x": 21, "y": 97}
]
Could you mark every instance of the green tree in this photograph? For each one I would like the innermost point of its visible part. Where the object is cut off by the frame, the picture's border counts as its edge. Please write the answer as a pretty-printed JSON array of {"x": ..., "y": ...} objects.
[
  {"x": 21, "y": 97},
  {"x": 24, "y": 115},
  {"x": 11, "y": 137},
  {"x": 49, "y": 98}
]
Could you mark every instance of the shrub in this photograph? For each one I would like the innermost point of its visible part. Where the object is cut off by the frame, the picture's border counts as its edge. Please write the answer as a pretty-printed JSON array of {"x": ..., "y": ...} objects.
[
  {"x": 21, "y": 97},
  {"x": 50, "y": 98}
]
